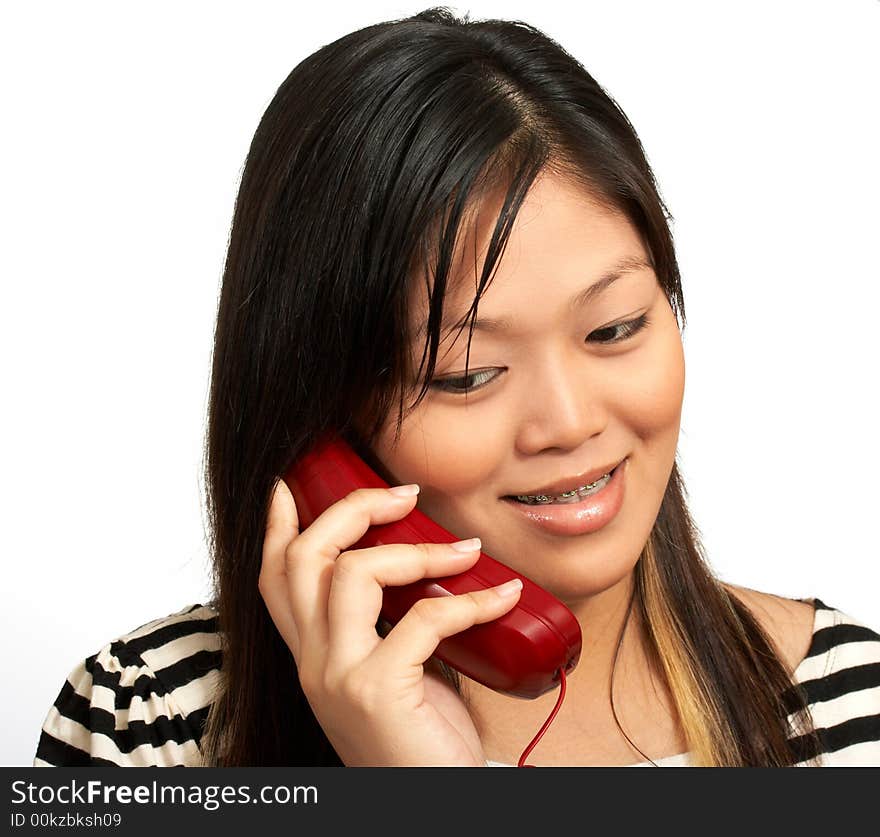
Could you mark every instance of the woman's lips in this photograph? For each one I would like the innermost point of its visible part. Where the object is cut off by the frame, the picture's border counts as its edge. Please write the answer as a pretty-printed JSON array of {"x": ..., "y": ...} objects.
[{"x": 588, "y": 515}]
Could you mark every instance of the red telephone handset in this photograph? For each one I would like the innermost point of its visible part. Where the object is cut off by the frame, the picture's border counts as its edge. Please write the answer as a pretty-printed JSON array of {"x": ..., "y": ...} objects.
[{"x": 520, "y": 653}]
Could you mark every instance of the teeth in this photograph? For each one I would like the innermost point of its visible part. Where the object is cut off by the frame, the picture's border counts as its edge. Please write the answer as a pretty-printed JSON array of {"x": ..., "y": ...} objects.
[{"x": 567, "y": 497}]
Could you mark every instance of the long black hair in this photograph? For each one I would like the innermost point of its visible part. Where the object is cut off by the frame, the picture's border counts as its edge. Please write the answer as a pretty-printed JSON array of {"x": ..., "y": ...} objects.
[{"x": 360, "y": 175}]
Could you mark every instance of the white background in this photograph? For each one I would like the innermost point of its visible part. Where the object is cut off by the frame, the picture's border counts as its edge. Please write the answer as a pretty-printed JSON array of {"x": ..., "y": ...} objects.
[{"x": 125, "y": 130}]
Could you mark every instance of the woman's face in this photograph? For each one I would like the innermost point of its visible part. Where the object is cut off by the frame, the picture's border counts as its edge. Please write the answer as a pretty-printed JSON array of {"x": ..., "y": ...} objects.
[{"x": 551, "y": 396}]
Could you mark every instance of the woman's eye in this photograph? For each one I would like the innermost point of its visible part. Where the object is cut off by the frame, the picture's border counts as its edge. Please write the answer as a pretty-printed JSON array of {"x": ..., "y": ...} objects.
[
  {"x": 468, "y": 383},
  {"x": 476, "y": 380},
  {"x": 627, "y": 329}
]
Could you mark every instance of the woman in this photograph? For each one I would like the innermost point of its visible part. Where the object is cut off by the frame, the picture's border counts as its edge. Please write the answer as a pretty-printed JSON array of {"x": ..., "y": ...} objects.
[{"x": 407, "y": 181}]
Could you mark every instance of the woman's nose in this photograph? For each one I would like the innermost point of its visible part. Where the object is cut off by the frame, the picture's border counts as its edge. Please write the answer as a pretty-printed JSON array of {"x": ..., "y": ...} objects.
[{"x": 562, "y": 408}]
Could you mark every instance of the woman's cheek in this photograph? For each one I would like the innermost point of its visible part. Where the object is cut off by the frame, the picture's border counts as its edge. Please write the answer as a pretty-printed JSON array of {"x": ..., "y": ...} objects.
[
  {"x": 452, "y": 455},
  {"x": 654, "y": 387},
  {"x": 447, "y": 450}
]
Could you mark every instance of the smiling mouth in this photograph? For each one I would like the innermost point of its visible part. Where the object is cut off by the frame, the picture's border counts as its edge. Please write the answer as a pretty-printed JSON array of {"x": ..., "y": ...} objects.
[{"x": 574, "y": 495}]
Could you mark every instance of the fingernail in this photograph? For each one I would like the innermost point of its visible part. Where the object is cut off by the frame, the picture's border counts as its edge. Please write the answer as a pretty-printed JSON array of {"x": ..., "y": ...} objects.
[
  {"x": 470, "y": 545},
  {"x": 405, "y": 490},
  {"x": 509, "y": 588}
]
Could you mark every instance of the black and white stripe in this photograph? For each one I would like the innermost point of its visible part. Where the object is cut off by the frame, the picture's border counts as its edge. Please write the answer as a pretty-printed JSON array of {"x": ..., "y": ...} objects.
[
  {"x": 142, "y": 700},
  {"x": 840, "y": 676}
]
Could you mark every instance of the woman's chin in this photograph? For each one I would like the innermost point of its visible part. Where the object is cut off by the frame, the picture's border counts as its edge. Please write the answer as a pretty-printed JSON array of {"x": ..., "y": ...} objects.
[{"x": 574, "y": 584}]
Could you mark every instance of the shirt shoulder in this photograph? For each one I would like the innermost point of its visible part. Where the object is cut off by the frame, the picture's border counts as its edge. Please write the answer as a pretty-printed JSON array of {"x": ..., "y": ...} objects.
[
  {"x": 141, "y": 700},
  {"x": 789, "y": 623},
  {"x": 840, "y": 679}
]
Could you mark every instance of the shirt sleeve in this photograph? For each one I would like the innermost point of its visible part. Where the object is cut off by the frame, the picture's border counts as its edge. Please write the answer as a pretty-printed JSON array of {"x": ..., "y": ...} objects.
[
  {"x": 113, "y": 710},
  {"x": 841, "y": 680}
]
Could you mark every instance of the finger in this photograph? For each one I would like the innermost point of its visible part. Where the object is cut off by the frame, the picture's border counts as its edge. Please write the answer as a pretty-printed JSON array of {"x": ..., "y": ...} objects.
[
  {"x": 310, "y": 558},
  {"x": 282, "y": 525},
  {"x": 416, "y": 636},
  {"x": 357, "y": 586}
]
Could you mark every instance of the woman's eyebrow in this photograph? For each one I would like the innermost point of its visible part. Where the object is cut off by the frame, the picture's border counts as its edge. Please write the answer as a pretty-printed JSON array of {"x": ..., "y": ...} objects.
[{"x": 630, "y": 264}]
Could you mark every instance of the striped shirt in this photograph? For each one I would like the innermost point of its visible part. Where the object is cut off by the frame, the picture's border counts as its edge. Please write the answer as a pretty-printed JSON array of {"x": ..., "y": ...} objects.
[{"x": 142, "y": 700}]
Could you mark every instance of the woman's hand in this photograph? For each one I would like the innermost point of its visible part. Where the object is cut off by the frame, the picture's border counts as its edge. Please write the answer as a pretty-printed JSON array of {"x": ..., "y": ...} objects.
[{"x": 372, "y": 696}]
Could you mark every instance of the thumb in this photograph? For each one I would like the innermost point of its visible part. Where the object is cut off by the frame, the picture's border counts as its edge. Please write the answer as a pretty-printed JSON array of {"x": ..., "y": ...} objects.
[
  {"x": 282, "y": 523},
  {"x": 282, "y": 526}
]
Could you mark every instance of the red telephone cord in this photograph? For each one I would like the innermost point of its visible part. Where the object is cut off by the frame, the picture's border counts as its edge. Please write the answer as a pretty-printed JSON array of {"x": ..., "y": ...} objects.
[{"x": 537, "y": 738}]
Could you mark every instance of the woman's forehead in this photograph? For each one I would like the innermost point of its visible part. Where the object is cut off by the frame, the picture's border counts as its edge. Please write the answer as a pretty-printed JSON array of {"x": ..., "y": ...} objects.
[{"x": 619, "y": 248}]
